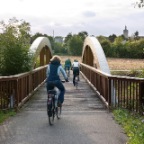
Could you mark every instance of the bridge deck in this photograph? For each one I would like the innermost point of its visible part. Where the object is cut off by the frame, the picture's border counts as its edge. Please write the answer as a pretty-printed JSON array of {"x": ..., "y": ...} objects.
[{"x": 85, "y": 120}]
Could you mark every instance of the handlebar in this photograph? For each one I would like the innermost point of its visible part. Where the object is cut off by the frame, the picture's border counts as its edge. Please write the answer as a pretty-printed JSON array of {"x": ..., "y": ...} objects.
[{"x": 63, "y": 81}]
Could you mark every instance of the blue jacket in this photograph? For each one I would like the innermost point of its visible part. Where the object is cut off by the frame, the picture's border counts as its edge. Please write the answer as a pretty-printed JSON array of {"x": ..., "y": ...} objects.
[{"x": 53, "y": 71}]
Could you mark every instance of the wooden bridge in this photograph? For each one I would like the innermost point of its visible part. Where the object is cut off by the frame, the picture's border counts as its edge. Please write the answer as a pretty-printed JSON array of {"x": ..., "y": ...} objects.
[
  {"x": 85, "y": 120},
  {"x": 114, "y": 91}
]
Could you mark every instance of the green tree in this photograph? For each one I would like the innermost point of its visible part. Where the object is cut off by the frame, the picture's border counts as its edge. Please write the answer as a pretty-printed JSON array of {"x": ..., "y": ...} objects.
[
  {"x": 75, "y": 45},
  {"x": 119, "y": 40},
  {"x": 83, "y": 34},
  {"x": 136, "y": 35},
  {"x": 140, "y": 47},
  {"x": 106, "y": 45},
  {"x": 139, "y": 3},
  {"x": 14, "y": 47},
  {"x": 112, "y": 37},
  {"x": 67, "y": 38},
  {"x": 59, "y": 49},
  {"x": 36, "y": 35},
  {"x": 101, "y": 38}
]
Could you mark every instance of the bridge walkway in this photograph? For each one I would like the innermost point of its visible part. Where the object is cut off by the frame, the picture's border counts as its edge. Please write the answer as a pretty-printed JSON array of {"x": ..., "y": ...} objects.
[{"x": 85, "y": 120}]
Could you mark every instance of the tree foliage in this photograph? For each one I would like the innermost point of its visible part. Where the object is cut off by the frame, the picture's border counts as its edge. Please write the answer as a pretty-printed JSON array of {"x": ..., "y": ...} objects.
[
  {"x": 67, "y": 38},
  {"x": 83, "y": 35},
  {"x": 36, "y": 35},
  {"x": 121, "y": 48},
  {"x": 75, "y": 45},
  {"x": 136, "y": 35},
  {"x": 112, "y": 37},
  {"x": 139, "y": 3},
  {"x": 14, "y": 46}
]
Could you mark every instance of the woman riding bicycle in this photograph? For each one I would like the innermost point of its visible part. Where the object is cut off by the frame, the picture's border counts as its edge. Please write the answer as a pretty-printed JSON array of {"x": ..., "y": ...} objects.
[
  {"x": 53, "y": 79},
  {"x": 76, "y": 69}
]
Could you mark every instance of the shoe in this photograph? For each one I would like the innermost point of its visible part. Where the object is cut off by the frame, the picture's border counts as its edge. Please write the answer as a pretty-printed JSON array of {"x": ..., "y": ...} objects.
[{"x": 59, "y": 104}]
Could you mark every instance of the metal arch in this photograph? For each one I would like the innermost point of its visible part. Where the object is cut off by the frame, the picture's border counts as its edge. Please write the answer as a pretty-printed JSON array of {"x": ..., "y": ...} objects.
[
  {"x": 93, "y": 54},
  {"x": 37, "y": 46}
]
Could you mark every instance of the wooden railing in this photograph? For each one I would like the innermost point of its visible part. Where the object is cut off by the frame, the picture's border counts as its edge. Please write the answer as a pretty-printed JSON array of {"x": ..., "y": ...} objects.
[
  {"x": 16, "y": 89},
  {"x": 116, "y": 91}
]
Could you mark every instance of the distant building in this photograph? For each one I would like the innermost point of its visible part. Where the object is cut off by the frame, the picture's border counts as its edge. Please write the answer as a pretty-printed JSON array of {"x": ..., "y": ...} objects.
[
  {"x": 125, "y": 33},
  {"x": 59, "y": 39}
]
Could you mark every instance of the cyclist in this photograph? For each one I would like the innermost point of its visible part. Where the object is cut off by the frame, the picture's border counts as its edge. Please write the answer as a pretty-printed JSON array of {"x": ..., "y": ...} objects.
[
  {"x": 67, "y": 65},
  {"x": 53, "y": 79},
  {"x": 76, "y": 69}
]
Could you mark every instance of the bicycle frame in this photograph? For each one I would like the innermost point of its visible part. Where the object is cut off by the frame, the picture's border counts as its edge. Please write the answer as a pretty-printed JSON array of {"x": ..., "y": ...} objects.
[{"x": 52, "y": 108}]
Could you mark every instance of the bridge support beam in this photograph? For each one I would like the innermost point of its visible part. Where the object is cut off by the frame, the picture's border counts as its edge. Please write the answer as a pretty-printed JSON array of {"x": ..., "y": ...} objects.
[
  {"x": 48, "y": 55},
  {"x": 42, "y": 55},
  {"x": 41, "y": 48}
]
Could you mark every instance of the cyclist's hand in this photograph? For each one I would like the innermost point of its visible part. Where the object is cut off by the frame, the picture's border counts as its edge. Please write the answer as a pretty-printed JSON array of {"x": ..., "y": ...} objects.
[{"x": 67, "y": 80}]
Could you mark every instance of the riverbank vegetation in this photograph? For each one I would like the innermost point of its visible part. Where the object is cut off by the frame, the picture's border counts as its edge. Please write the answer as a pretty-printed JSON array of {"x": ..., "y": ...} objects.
[
  {"x": 6, "y": 114},
  {"x": 133, "y": 125}
]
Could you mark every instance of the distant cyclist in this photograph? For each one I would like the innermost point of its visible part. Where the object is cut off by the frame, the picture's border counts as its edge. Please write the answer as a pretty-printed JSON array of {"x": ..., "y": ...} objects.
[
  {"x": 76, "y": 69},
  {"x": 53, "y": 80},
  {"x": 67, "y": 65}
]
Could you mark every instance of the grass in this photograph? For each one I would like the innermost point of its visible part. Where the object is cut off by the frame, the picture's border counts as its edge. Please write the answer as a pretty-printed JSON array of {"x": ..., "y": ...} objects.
[
  {"x": 125, "y": 64},
  {"x": 133, "y": 125},
  {"x": 6, "y": 114},
  {"x": 115, "y": 63}
]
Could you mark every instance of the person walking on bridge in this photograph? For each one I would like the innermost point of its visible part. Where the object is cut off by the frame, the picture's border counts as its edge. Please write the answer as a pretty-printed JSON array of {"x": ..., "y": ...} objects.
[{"x": 67, "y": 66}]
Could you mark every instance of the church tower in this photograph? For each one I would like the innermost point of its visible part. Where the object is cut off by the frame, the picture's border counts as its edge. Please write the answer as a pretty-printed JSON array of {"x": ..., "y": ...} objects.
[{"x": 125, "y": 32}]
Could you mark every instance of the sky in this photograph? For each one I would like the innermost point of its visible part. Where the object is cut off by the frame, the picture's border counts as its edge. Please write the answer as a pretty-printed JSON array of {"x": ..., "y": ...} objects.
[{"x": 61, "y": 17}]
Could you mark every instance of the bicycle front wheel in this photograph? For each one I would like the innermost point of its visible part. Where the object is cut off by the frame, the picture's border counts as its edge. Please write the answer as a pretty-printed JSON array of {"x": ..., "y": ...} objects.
[{"x": 76, "y": 84}]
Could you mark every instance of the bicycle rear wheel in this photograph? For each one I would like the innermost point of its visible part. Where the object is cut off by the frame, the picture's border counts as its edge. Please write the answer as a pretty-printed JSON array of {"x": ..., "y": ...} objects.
[
  {"x": 76, "y": 82},
  {"x": 50, "y": 113},
  {"x": 58, "y": 112}
]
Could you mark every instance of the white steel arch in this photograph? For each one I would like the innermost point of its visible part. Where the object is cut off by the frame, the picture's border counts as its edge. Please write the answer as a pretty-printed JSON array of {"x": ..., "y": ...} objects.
[
  {"x": 99, "y": 58},
  {"x": 38, "y": 45}
]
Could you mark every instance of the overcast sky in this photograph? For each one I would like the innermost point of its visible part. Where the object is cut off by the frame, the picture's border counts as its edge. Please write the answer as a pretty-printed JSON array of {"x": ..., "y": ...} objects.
[{"x": 97, "y": 17}]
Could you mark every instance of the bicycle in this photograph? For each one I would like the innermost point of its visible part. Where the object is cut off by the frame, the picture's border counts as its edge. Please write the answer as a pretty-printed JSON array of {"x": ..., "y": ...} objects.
[
  {"x": 52, "y": 106},
  {"x": 76, "y": 81}
]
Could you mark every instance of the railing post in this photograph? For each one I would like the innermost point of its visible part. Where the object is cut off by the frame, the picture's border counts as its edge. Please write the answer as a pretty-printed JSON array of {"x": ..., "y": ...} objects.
[
  {"x": 16, "y": 94},
  {"x": 141, "y": 98},
  {"x": 109, "y": 92},
  {"x": 30, "y": 83}
]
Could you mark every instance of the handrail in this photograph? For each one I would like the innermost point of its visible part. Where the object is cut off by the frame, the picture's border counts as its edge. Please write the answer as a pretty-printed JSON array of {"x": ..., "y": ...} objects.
[
  {"x": 16, "y": 89},
  {"x": 116, "y": 91}
]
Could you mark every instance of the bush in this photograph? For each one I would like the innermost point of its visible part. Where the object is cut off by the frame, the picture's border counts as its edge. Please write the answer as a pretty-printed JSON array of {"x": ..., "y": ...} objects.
[{"x": 14, "y": 47}]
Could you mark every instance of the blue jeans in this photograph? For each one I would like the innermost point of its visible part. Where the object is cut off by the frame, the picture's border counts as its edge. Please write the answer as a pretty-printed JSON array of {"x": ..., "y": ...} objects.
[
  {"x": 67, "y": 67},
  {"x": 59, "y": 85}
]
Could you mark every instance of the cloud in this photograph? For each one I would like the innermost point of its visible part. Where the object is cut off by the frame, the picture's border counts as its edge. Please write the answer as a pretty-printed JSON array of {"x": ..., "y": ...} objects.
[
  {"x": 89, "y": 14},
  {"x": 97, "y": 17}
]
